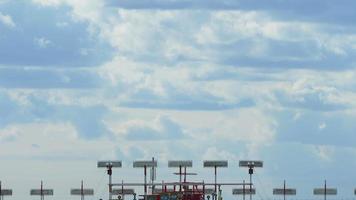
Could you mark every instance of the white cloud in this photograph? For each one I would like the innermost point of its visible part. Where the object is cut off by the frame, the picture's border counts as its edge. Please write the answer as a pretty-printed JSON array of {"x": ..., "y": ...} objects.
[
  {"x": 42, "y": 42},
  {"x": 322, "y": 126},
  {"x": 324, "y": 153},
  {"x": 161, "y": 128},
  {"x": 47, "y": 2},
  {"x": 82, "y": 10},
  {"x": 297, "y": 116},
  {"x": 45, "y": 140},
  {"x": 8, "y": 134},
  {"x": 218, "y": 154},
  {"x": 7, "y": 20},
  {"x": 249, "y": 125}
]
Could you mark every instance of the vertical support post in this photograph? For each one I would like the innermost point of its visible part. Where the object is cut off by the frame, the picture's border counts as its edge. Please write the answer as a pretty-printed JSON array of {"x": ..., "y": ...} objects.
[
  {"x": 325, "y": 190},
  {"x": 284, "y": 190},
  {"x": 215, "y": 170},
  {"x": 243, "y": 190},
  {"x": 153, "y": 175},
  {"x": 203, "y": 190},
  {"x": 250, "y": 171},
  {"x": 110, "y": 181},
  {"x": 42, "y": 196},
  {"x": 122, "y": 190},
  {"x": 185, "y": 174},
  {"x": 81, "y": 191},
  {"x": 180, "y": 178},
  {"x": 145, "y": 184}
]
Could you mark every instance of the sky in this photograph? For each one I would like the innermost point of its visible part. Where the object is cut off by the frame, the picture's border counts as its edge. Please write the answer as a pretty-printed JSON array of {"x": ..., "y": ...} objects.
[{"x": 89, "y": 80}]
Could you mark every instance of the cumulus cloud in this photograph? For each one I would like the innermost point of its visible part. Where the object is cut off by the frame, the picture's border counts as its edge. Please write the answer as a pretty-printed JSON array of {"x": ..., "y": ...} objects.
[
  {"x": 42, "y": 42},
  {"x": 201, "y": 80},
  {"x": 214, "y": 153},
  {"x": 48, "y": 141},
  {"x": 323, "y": 152},
  {"x": 161, "y": 128},
  {"x": 7, "y": 20}
]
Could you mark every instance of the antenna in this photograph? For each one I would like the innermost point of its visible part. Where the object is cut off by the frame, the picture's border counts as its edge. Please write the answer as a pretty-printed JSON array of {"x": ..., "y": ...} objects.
[
  {"x": 181, "y": 164},
  {"x": 144, "y": 164},
  {"x": 250, "y": 164},
  {"x": 82, "y": 191},
  {"x": 215, "y": 164},
  {"x": 325, "y": 191},
  {"x": 109, "y": 165},
  {"x": 41, "y": 192},
  {"x": 4, "y": 192},
  {"x": 284, "y": 191}
]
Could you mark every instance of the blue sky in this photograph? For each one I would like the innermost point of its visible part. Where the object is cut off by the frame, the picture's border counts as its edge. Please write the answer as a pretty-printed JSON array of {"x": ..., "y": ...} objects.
[{"x": 82, "y": 81}]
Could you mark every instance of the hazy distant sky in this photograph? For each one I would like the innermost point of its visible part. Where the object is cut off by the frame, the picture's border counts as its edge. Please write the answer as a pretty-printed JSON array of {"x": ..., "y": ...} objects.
[{"x": 85, "y": 80}]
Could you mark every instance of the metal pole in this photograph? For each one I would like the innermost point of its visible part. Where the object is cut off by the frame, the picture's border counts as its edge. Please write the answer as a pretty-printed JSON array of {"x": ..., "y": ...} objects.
[
  {"x": 250, "y": 186},
  {"x": 122, "y": 190},
  {"x": 325, "y": 190},
  {"x": 180, "y": 178},
  {"x": 42, "y": 196},
  {"x": 243, "y": 190},
  {"x": 110, "y": 182},
  {"x": 81, "y": 191},
  {"x": 145, "y": 185},
  {"x": 215, "y": 179},
  {"x": 153, "y": 175},
  {"x": 284, "y": 190}
]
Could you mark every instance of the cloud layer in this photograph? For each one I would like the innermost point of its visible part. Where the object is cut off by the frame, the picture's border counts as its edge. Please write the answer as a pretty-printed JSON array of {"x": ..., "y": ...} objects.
[{"x": 185, "y": 79}]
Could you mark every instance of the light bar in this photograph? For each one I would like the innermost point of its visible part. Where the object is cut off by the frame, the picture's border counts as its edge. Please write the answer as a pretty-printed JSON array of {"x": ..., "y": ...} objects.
[
  {"x": 123, "y": 191},
  {"x": 180, "y": 163},
  {"x": 43, "y": 192},
  {"x": 108, "y": 163},
  {"x": 323, "y": 191},
  {"x": 245, "y": 191},
  {"x": 282, "y": 191},
  {"x": 82, "y": 192},
  {"x": 215, "y": 163},
  {"x": 6, "y": 192},
  {"x": 144, "y": 163},
  {"x": 250, "y": 163}
]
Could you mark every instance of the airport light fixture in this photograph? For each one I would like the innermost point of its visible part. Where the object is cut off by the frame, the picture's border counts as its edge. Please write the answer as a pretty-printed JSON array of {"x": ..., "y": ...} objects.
[
  {"x": 4, "y": 192},
  {"x": 325, "y": 191},
  {"x": 42, "y": 192},
  {"x": 109, "y": 164},
  {"x": 243, "y": 191},
  {"x": 251, "y": 164},
  {"x": 215, "y": 164},
  {"x": 181, "y": 164},
  {"x": 144, "y": 164},
  {"x": 284, "y": 191},
  {"x": 82, "y": 191}
]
